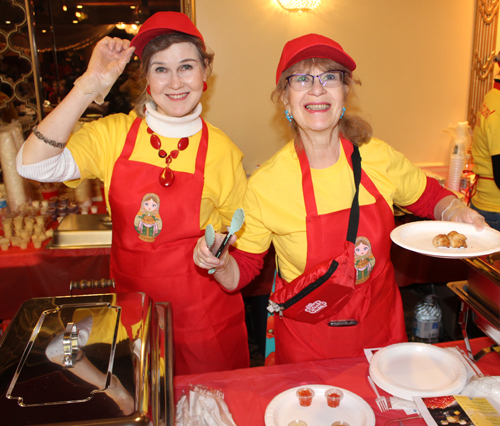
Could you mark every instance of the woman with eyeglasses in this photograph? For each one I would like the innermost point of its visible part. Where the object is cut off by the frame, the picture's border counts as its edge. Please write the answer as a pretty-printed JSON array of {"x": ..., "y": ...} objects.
[
  {"x": 167, "y": 174},
  {"x": 304, "y": 201}
]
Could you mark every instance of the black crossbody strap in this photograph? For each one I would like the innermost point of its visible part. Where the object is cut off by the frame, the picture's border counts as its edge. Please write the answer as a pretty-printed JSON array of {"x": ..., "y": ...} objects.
[{"x": 352, "y": 229}]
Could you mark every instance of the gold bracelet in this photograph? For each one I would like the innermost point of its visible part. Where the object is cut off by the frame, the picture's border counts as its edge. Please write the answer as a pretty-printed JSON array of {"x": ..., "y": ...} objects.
[{"x": 55, "y": 144}]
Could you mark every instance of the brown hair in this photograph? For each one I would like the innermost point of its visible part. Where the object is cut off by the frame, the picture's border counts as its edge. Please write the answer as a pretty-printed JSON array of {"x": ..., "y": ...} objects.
[
  {"x": 164, "y": 42},
  {"x": 354, "y": 128}
]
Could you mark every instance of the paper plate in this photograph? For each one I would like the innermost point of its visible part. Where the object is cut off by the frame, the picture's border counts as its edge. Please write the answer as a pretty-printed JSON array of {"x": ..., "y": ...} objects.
[
  {"x": 418, "y": 369},
  {"x": 285, "y": 407},
  {"x": 418, "y": 236}
]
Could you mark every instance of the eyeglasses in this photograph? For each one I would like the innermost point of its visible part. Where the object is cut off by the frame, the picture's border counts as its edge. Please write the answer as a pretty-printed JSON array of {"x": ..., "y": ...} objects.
[{"x": 302, "y": 82}]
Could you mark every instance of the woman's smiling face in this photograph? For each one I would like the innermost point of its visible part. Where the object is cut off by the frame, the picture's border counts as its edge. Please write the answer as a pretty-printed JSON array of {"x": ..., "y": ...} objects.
[
  {"x": 175, "y": 79},
  {"x": 318, "y": 108}
]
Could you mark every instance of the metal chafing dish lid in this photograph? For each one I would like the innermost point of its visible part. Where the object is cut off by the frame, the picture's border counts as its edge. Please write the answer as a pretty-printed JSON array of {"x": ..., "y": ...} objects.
[
  {"x": 79, "y": 359},
  {"x": 60, "y": 345}
]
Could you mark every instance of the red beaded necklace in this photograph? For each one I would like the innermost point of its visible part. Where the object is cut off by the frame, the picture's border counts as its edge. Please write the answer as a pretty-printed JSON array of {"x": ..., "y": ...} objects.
[{"x": 167, "y": 176}]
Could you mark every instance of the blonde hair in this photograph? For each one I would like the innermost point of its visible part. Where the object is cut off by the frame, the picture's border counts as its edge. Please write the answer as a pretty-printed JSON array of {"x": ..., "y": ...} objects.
[{"x": 354, "y": 128}]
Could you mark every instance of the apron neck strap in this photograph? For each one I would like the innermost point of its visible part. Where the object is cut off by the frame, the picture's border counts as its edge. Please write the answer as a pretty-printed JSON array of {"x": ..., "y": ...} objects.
[
  {"x": 352, "y": 230},
  {"x": 308, "y": 189}
]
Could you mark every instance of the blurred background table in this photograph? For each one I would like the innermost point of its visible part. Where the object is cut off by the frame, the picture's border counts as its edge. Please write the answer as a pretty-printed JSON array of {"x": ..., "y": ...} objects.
[{"x": 45, "y": 272}]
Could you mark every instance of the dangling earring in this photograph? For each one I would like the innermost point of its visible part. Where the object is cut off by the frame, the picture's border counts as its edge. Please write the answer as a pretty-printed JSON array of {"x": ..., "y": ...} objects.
[
  {"x": 148, "y": 90},
  {"x": 288, "y": 115},
  {"x": 205, "y": 86},
  {"x": 343, "y": 112}
]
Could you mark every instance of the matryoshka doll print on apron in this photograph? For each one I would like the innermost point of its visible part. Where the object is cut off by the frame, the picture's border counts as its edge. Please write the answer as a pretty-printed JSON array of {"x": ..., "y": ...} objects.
[
  {"x": 155, "y": 229},
  {"x": 375, "y": 306}
]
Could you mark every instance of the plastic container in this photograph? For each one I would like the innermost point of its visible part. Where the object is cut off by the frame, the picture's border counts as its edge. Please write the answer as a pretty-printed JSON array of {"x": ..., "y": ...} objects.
[
  {"x": 305, "y": 396},
  {"x": 427, "y": 317},
  {"x": 460, "y": 142},
  {"x": 333, "y": 397}
]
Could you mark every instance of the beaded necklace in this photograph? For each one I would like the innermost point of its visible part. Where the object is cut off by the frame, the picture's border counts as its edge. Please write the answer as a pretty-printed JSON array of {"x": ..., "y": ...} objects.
[{"x": 167, "y": 176}]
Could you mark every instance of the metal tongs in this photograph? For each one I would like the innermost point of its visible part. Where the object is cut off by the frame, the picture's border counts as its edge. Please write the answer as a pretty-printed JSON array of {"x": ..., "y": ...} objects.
[{"x": 236, "y": 224}]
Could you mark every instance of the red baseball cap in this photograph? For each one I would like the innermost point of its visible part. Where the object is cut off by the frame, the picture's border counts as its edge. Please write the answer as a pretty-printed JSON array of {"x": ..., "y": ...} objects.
[
  {"x": 312, "y": 46},
  {"x": 163, "y": 23}
]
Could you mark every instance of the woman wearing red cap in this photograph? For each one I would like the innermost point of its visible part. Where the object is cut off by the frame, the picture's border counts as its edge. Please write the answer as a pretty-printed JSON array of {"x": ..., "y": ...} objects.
[
  {"x": 167, "y": 174},
  {"x": 325, "y": 202}
]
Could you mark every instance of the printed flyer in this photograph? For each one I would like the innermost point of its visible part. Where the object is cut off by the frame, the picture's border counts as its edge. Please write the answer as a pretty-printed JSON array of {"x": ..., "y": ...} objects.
[{"x": 457, "y": 410}]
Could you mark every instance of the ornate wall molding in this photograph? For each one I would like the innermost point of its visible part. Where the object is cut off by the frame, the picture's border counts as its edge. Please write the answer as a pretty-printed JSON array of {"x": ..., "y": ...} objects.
[
  {"x": 188, "y": 7},
  {"x": 483, "y": 55}
]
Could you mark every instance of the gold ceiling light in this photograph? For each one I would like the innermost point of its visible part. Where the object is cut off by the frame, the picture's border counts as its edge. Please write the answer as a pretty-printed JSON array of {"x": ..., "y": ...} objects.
[{"x": 299, "y": 5}]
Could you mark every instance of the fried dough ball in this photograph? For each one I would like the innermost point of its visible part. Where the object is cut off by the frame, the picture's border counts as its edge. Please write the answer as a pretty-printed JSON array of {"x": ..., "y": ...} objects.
[
  {"x": 457, "y": 240},
  {"x": 441, "y": 240}
]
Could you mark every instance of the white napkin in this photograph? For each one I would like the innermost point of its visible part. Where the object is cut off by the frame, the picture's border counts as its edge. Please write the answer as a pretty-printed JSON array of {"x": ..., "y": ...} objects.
[
  {"x": 205, "y": 407},
  {"x": 482, "y": 386}
]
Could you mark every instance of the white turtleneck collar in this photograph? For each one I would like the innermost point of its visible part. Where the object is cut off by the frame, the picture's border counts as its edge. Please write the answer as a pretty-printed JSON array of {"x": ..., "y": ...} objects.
[{"x": 174, "y": 127}]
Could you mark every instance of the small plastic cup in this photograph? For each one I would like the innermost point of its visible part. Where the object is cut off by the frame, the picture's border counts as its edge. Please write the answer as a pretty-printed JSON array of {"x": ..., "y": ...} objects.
[
  {"x": 37, "y": 241},
  {"x": 333, "y": 397},
  {"x": 305, "y": 396},
  {"x": 93, "y": 209},
  {"x": 4, "y": 244},
  {"x": 297, "y": 423},
  {"x": 340, "y": 423}
]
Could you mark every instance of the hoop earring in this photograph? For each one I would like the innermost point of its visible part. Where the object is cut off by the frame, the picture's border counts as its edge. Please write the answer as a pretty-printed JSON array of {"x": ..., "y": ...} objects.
[
  {"x": 343, "y": 112},
  {"x": 205, "y": 86},
  {"x": 148, "y": 90},
  {"x": 288, "y": 116}
]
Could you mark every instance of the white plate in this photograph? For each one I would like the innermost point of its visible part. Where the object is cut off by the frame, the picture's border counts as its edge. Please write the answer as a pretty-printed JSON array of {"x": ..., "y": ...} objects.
[
  {"x": 418, "y": 236},
  {"x": 285, "y": 407},
  {"x": 418, "y": 369}
]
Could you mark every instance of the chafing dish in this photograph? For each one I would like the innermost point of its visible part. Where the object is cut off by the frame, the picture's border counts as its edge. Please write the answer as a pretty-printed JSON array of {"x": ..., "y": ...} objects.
[
  {"x": 82, "y": 231},
  {"x": 480, "y": 295},
  {"x": 102, "y": 359}
]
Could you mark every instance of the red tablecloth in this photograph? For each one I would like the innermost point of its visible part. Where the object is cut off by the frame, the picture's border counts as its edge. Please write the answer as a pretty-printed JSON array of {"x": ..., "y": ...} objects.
[
  {"x": 249, "y": 391},
  {"x": 29, "y": 273}
]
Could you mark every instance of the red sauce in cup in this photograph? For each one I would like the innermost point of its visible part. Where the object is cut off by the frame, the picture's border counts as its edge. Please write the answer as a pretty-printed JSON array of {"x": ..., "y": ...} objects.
[
  {"x": 333, "y": 400},
  {"x": 305, "y": 397}
]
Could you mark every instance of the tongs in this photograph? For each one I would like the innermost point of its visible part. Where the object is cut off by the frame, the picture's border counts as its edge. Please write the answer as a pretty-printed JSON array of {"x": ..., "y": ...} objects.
[
  {"x": 485, "y": 351},
  {"x": 236, "y": 224}
]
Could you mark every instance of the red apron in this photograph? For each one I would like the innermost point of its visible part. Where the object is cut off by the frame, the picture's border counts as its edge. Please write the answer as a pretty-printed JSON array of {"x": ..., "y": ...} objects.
[
  {"x": 376, "y": 303},
  {"x": 152, "y": 252}
]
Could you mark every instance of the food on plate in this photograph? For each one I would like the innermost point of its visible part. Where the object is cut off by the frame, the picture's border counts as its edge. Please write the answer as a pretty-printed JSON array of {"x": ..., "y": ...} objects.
[
  {"x": 453, "y": 240},
  {"x": 457, "y": 240},
  {"x": 441, "y": 240}
]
